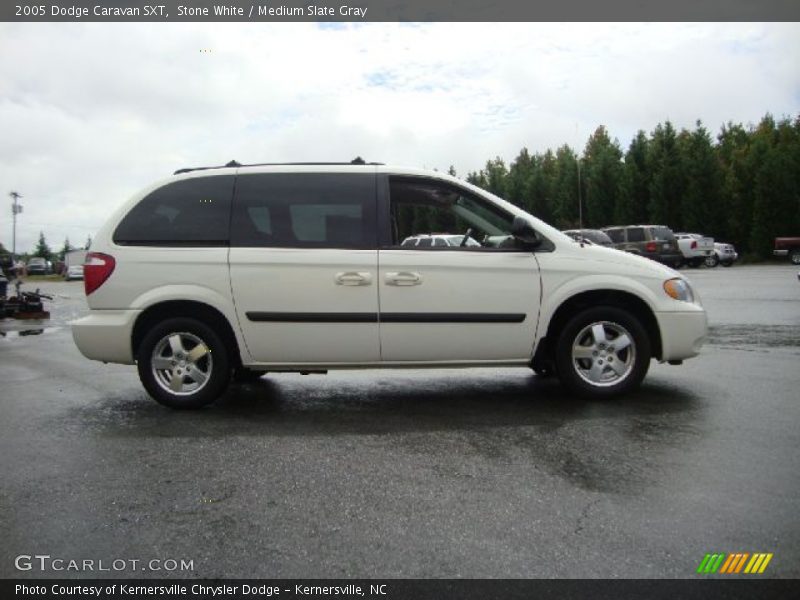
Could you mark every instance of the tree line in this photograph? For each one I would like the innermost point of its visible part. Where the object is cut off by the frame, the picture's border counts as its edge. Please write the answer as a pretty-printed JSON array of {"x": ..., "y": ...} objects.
[
  {"x": 44, "y": 251},
  {"x": 742, "y": 187}
]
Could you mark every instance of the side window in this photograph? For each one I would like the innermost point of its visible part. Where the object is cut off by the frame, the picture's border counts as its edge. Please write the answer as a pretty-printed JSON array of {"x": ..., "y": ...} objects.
[
  {"x": 636, "y": 234},
  {"x": 617, "y": 235},
  {"x": 189, "y": 212},
  {"x": 426, "y": 207},
  {"x": 304, "y": 210}
]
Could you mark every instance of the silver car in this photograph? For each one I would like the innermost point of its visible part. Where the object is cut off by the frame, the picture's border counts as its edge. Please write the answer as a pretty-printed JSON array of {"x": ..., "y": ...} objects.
[{"x": 724, "y": 254}]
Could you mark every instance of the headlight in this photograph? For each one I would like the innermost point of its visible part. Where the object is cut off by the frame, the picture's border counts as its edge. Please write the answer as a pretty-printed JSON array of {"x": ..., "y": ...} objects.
[{"x": 679, "y": 289}]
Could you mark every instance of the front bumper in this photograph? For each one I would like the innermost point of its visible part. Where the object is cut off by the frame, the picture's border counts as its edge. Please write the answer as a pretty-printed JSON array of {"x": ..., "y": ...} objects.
[
  {"x": 106, "y": 335},
  {"x": 682, "y": 333},
  {"x": 780, "y": 252}
]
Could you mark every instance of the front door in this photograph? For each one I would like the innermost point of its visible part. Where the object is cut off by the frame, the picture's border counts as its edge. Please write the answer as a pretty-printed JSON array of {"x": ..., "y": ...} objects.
[{"x": 471, "y": 294}]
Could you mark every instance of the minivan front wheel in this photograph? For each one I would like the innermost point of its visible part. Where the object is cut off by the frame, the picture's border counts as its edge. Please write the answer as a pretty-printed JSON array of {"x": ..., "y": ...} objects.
[
  {"x": 602, "y": 352},
  {"x": 183, "y": 363}
]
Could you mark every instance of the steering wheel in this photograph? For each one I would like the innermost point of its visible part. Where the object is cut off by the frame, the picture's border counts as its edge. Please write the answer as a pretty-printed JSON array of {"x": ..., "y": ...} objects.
[{"x": 466, "y": 237}]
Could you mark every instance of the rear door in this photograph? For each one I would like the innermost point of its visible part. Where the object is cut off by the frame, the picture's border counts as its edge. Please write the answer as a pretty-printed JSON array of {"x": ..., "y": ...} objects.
[{"x": 303, "y": 266}]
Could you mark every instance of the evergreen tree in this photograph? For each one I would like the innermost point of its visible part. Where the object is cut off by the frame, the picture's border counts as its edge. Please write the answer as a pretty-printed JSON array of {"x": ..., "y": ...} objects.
[
  {"x": 88, "y": 243},
  {"x": 565, "y": 205},
  {"x": 67, "y": 247},
  {"x": 737, "y": 188},
  {"x": 775, "y": 190},
  {"x": 518, "y": 182},
  {"x": 42, "y": 249},
  {"x": 543, "y": 185},
  {"x": 634, "y": 199},
  {"x": 602, "y": 173},
  {"x": 496, "y": 174},
  {"x": 701, "y": 205},
  {"x": 666, "y": 177}
]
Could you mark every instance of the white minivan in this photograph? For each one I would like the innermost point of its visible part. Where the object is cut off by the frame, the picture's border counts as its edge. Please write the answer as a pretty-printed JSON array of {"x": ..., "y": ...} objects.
[{"x": 228, "y": 272}]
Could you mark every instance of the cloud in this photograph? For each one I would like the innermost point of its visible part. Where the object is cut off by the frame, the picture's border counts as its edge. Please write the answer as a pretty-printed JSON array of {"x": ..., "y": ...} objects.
[{"x": 93, "y": 112}]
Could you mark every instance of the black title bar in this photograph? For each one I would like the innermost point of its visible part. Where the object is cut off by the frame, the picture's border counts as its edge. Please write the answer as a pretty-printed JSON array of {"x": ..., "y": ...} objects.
[
  {"x": 399, "y": 589},
  {"x": 401, "y": 10}
]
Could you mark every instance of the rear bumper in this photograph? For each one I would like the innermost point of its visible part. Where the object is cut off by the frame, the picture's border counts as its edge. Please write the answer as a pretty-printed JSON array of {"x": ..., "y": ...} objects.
[
  {"x": 780, "y": 252},
  {"x": 682, "y": 333},
  {"x": 106, "y": 335},
  {"x": 666, "y": 259}
]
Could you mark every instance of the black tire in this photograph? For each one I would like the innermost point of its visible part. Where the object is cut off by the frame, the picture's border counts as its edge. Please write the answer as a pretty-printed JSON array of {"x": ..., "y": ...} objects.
[
  {"x": 180, "y": 367},
  {"x": 794, "y": 256},
  {"x": 245, "y": 375},
  {"x": 634, "y": 359},
  {"x": 712, "y": 261}
]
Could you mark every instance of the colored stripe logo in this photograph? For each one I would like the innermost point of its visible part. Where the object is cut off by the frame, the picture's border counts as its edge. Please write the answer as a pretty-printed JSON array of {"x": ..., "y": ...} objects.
[{"x": 737, "y": 562}]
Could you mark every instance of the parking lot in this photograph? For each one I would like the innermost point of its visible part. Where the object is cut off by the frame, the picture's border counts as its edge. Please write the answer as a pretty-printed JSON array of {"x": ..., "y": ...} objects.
[{"x": 446, "y": 473}]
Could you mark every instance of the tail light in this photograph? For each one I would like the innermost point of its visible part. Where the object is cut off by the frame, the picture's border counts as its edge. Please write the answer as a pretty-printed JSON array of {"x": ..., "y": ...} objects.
[
  {"x": 694, "y": 245},
  {"x": 651, "y": 246},
  {"x": 97, "y": 268}
]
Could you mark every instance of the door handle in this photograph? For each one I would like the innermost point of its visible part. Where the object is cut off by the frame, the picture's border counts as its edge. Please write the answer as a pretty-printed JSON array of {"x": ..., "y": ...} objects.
[
  {"x": 353, "y": 278},
  {"x": 403, "y": 278}
]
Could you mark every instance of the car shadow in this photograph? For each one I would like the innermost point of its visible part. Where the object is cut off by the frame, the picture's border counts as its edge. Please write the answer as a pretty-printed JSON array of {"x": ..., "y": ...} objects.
[
  {"x": 385, "y": 402},
  {"x": 502, "y": 417}
]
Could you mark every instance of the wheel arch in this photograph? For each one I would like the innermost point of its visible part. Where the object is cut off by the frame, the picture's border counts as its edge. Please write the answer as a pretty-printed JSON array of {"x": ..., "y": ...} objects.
[
  {"x": 579, "y": 301},
  {"x": 186, "y": 308}
]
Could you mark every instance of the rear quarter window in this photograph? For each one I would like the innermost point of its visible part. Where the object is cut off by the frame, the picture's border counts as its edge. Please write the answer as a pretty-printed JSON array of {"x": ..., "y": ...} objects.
[
  {"x": 636, "y": 234},
  {"x": 665, "y": 233},
  {"x": 192, "y": 211}
]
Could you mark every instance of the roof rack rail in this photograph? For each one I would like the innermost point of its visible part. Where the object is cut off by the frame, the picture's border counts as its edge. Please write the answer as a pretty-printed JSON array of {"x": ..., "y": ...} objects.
[{"x": 356, "y": 161}]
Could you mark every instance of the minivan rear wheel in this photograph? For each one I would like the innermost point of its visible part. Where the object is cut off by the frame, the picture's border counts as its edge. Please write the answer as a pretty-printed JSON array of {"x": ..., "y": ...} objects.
[
  {"x": 183, "y": 363},
  {"x": 602, "y": 352}
]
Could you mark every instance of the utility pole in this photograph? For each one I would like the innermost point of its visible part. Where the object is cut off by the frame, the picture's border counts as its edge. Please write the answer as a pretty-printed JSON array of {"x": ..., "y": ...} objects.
[{"x": 16, "y": 208}]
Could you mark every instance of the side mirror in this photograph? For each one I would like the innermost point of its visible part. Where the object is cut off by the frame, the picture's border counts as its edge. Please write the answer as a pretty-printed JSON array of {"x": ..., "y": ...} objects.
[{"x": 522, "y": 230}]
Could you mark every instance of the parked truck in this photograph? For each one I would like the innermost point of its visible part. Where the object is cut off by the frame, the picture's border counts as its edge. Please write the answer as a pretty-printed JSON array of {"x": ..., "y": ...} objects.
[
  {"x": 695, "y": 248},
  {"x": 74, "y": 258},
  {"x": 788, "y": 246}
]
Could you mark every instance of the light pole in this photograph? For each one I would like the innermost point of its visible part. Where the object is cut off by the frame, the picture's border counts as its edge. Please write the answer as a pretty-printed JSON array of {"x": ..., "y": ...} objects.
[{"x": 16, "y": 208}]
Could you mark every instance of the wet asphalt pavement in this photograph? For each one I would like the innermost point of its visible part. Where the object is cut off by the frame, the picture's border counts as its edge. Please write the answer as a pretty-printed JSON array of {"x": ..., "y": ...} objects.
[{"x": 447, "y": 473}]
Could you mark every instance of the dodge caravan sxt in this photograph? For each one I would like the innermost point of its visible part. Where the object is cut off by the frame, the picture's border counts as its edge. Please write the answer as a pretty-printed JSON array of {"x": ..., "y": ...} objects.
[{"x": 230, "y": 272}]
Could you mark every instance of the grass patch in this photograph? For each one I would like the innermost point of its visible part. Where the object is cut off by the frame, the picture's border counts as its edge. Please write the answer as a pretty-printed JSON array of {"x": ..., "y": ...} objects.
[{"x": 52, "y": 277}]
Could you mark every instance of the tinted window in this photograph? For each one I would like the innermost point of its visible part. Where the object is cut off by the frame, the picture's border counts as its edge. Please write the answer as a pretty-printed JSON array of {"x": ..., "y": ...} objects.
[
  {"x": 304, "y": 210},
  {"x": 616, "y": 235},
  {"x": 193, "y": 211},
  {"x": 635, "y": 234},
  {"x": 422, "y": 206}
]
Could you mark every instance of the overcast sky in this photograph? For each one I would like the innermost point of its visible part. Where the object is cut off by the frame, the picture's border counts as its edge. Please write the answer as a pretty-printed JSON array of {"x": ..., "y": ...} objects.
[{"x": 90, "y": 113}]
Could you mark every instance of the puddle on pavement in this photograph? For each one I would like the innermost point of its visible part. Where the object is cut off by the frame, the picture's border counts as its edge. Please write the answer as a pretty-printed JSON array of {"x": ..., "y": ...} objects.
[{"x": 755, "y": 335}]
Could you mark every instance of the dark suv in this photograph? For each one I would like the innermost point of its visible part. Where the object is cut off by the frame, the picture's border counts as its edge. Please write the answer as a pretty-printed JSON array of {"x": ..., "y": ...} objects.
[{"x": 651, "y": 241}]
